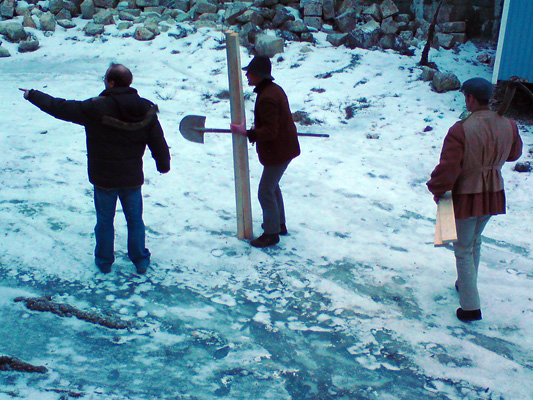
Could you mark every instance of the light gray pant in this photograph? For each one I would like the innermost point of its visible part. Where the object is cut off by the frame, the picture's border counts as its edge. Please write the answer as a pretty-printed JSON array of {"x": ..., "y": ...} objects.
[
  {"x": 270, "y": 197},
  {"x": 467, "y": 251}
]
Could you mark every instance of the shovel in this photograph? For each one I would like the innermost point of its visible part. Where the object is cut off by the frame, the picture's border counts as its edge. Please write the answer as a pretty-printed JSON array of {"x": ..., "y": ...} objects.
[{"x": 192, "y": 128}]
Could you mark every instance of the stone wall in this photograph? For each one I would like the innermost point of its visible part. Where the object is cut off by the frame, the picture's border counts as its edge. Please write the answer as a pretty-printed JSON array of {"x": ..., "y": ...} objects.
[{"x": 386, "y": 24}]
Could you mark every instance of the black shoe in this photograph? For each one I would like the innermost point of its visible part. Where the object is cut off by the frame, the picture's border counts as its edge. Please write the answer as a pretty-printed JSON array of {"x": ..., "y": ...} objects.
[
  {"x": 265, "y": 240},
  {"x": 106, "y": 269},
  {"x": 142, "y": 266},
  {"x": 469, "y": 315}
]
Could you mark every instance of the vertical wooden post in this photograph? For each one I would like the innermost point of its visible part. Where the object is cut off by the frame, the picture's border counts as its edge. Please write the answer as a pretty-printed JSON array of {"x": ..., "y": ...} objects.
[{"x": 240, "y": 143}]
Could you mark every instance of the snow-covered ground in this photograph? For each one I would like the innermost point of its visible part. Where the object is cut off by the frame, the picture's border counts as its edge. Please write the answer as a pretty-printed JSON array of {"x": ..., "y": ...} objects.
[{"x": 355, "y": 303}]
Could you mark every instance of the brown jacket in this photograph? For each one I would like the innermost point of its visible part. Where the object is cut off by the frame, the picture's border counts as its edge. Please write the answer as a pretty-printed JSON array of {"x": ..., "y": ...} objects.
[
  {"x": 472, "y": 155},
  {"x": 274, "y": 130}
]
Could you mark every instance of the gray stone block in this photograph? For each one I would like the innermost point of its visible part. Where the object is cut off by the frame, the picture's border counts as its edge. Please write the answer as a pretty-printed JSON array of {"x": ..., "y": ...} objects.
[
  {"x": 266, "y": 45},
  {"x": 47, "y": 22}
]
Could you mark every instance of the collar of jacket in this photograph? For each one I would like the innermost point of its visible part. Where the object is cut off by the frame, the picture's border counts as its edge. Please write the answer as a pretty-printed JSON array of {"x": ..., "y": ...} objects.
[
  {"x": 264, "y": 83},
  {"x": 117, "y": 91},
  {"x": 131, "y": 126}
]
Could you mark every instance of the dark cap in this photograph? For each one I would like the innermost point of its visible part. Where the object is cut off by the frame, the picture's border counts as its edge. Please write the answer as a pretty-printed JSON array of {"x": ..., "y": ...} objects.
[
  {"x": 260, "y": 65},
  {"x": 480, "y": 88}
]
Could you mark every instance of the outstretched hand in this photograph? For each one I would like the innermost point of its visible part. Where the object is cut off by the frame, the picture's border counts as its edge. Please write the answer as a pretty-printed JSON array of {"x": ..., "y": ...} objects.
[
  {"x": 239, "y": 129},
  {"x": 26, "y": 92}
]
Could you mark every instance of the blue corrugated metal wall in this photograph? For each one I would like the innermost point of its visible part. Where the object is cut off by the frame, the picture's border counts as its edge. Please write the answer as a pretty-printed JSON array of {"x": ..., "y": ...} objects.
[{"x": 517, "y": 50}]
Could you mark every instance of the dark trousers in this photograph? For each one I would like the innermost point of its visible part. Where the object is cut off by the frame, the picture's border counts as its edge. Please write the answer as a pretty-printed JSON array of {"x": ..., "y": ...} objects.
[
  {"x": 105, "y": 202},
  {"x": 270, "y": 197}
]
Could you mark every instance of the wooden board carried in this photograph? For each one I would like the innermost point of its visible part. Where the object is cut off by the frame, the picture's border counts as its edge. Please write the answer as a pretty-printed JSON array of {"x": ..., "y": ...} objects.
[{"x": 445, "y": 231}]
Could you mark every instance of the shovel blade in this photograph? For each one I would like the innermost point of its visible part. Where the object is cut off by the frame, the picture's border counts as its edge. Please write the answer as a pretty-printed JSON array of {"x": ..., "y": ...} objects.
[{"x": 192, "y": 128}]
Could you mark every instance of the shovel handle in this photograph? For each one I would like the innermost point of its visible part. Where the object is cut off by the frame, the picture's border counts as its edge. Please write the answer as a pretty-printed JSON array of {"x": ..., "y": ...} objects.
[{"x": 220, "y": 130}]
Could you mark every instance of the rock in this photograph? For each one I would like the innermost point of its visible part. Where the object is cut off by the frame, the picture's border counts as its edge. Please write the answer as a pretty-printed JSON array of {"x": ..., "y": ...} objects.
[
  {"x": 365, "y": 36},
  {"x": 337, "y": 39},
  {"x": 427, "y": 74},
  {"x": 126, "y": 16},
  {"x": 445, "y": 40},
  {"x": 388, "y": 9},
  {"x": 405, "y": 18},
  {"x": 26, "y": 46},
  {"x": 313, "y": 22},
  {"x": 143, "y": 34},
  {"x": 63, "y": 14},
  {"x": 234, "y": 10},
  {"x": 182, "y": 5},
  {"x": 13, "y": 31},
  {"x": 346, "y": 22},
  {"x": 389, "y": 26},
  {"x": 459, "y": 37},
  {"x": 4, "y": 52},
  {"x": 105, "y": 3},
  {"x": 104, "y": 17},
  {"x": 453, "y": 27},
  {"x": 387, "y": 41},
  {"x": 248, "y": 33},
  {"x": 523, "y": 166},
  {"x": 66, "y": 23},
  {"x": 152, "y": 24},
  {"x": 313, "y": 9},
  {"x": 87, "y": 9},
  {"x": 266, "y": 45},
  {"x": 252, "y": 16},
  {"x": 147, "y": 3},
  {"x": 154, "y": 10},
  {"x": 205, "y": 6},
  {"x": 7, "y": 9},
  {"x": 328, "y": 9},
  {"x": 307, "y": 37},
  {"x": 124, "y": 25},
  {"x": 54, "y": 6},
  {"x": 373, "y": 11},
  {"x": 282, "y": 15},
  {"x": 92, "y": 29},
  {"x": 28, "y": 22},
  {"x": 445, "y": 82},
  {"x": 71, "y": 7},
  {"x": 288, "y": 36},
  {"x": 295, "y": 26},
  {"x": 350, "y": 5},
  {"x": 267, "y": 13}
]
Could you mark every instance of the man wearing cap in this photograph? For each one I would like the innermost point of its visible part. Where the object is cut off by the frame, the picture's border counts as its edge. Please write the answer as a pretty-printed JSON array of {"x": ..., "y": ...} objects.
[
  {"x": 473, "y": 153},
  {"x": 275, "y": 134}
]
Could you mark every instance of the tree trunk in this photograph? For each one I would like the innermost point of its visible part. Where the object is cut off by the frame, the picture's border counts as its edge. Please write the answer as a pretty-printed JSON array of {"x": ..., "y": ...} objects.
[{"x": 431, "y": 33}]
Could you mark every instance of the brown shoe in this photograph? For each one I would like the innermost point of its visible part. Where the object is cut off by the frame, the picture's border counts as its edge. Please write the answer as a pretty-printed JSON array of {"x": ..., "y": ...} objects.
[{"x": 265, "y": 240}]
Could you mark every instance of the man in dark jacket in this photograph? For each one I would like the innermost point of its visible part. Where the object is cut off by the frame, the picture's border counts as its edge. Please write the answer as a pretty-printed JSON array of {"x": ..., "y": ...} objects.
[
  {"x": 118, "y": 126},
  {"x": 472, "y": 156},
  {"x": 275, "y": 135}
]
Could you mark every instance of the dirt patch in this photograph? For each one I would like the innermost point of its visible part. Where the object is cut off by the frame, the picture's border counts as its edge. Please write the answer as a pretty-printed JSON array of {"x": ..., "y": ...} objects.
[
  {"x": 14, "y": 364},
  {"x": 66, "y": 310},
  {"x": 521, "y": 107}
]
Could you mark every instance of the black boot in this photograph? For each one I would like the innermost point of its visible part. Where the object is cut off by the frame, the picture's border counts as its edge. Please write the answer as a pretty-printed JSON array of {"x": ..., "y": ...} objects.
[
  {"x": 265, "y": 240},
  {"x": 468, "y": 315}
]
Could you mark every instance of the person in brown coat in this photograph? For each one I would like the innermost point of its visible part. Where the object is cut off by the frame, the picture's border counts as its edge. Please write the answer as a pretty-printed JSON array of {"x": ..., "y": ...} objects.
[
  {"x": 275, "y": 136},
  {"x": 472, "y": 156}
]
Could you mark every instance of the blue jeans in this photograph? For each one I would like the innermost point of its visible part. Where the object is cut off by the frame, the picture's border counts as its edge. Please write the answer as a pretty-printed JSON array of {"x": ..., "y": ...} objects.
[
  {"x": 467, "y": 251},
  {"x": 105, "y": 202},
  {"x": 270, "y": 197}
]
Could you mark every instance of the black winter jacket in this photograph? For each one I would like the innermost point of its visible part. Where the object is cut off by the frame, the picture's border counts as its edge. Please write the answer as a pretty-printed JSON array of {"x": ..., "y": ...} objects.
[{"x": 118, "y": 126}]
